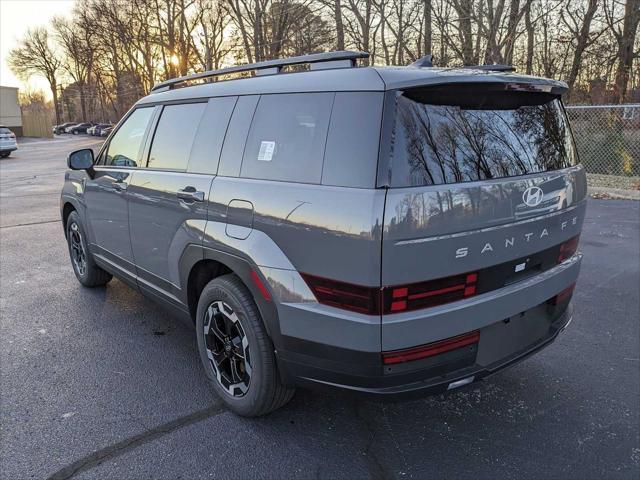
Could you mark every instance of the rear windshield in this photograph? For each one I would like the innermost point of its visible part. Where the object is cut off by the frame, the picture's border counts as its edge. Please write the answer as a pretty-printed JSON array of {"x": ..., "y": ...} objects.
[
  {"x": 440, "y": 139},
  {"x": 4, "y": 130}
]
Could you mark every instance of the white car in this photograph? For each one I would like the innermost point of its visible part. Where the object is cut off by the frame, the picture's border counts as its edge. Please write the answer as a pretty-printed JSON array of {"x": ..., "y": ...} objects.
[{"x": 7, "y": 142}]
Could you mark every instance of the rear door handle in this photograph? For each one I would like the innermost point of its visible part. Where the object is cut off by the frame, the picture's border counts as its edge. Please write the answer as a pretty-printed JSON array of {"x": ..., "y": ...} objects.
[
  {"x": 190, "y": 194},
  {"x": 120, "y": 186}
]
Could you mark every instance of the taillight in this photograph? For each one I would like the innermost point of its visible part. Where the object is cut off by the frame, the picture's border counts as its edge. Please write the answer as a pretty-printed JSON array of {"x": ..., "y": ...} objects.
[
  {"x": 429, "y": 294},
  {"x": 563, "y": 296},
  {"x": 345, "y": 295},
  {"x": 403, "y": 298},
  {"x": 431, "y": 349},
  {"x": 568, "y": 248}
]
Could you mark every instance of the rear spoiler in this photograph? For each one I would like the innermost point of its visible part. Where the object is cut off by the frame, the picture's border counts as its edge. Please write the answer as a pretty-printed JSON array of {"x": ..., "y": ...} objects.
[{"x": 395, "y": 79}]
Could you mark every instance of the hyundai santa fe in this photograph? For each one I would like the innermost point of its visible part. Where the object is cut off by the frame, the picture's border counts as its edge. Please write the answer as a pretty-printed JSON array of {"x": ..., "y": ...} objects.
[{"x": 388, "y": 231}]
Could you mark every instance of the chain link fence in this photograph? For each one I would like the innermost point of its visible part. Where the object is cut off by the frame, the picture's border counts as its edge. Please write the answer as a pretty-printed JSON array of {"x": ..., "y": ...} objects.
[{"x": 608, "y": 141}]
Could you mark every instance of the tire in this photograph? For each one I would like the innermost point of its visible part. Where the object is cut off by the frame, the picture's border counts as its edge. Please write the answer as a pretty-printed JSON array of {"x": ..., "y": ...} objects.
[
  {"x": 87, "y": 272},
  {"x": 5, "y": 154},
  {"x": 75, "y": 132},
  {"x": 257, "y": 389}
]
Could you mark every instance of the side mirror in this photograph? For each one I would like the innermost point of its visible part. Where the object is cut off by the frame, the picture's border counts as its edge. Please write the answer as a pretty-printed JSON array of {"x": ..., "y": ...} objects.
[{"x": 81, "y": 159}]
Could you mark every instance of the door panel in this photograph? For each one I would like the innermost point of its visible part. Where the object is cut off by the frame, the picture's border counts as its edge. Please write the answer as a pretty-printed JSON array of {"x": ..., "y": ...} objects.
[
  {"x": 108, "y": 216},
  {"x": 167, "y": 212}
]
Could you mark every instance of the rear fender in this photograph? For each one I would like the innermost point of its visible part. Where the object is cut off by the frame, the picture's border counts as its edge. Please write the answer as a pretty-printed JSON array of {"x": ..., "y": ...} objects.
[{"x": 243, "y": 269}]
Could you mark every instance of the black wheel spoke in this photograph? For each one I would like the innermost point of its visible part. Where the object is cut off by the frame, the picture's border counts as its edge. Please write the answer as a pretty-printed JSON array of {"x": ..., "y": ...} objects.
[{"x": 216, "y": 329}]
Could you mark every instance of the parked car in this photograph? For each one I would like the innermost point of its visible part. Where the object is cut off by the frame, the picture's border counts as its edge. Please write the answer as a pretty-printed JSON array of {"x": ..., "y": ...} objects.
[
  {"x": 91, "y": 130},
  {"x": 59, "y": 129},
  {"x": 339, "y": 227},
  {"x": 97, "y": 129},
  {"x": 79, "y": 128},
  {"x": 104, "y": 132},
  {"x": 8, "y": 142}
]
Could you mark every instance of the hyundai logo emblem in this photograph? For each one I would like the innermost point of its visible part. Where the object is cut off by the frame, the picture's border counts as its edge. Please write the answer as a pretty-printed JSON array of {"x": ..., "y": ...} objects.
[{"x": 532, "y": 196}]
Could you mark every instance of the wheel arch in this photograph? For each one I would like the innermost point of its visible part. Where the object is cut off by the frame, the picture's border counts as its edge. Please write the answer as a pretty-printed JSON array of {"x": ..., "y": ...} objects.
[
  {"x": 69, "y": 205},
  {"x": 200, "y": 265}
]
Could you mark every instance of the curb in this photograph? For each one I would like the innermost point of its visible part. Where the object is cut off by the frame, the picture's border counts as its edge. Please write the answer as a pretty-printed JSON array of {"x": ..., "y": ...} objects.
[{"x": 613, "y": 193}]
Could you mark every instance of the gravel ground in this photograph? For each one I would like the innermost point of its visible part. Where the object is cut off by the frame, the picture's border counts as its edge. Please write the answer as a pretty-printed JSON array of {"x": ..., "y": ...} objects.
[{"x": 103, "y": 384}]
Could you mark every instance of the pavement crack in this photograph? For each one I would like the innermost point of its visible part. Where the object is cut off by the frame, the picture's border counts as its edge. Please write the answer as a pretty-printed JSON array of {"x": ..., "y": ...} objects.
[
  {"x": 31, "y": 223},
  {"x": 120, "y": 448},
  {"x": 377, "y": 469}
]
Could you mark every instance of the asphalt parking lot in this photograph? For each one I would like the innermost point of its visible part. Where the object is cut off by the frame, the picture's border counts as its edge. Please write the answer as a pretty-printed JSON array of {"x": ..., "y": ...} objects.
[{"x": 104, "y": 384}]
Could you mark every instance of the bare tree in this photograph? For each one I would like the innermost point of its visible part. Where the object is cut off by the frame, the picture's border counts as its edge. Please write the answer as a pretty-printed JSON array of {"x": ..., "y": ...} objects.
[
  {"x": 35, "y": 55},
  {"x": 578, "y": 21}
]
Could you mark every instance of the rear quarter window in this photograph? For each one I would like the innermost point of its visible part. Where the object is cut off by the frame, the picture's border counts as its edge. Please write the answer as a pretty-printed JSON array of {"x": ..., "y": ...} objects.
[
  {"x": 287, "y": 137},
  {"x": 433, "y": 144},
  {"x": 351, "y": 155}
]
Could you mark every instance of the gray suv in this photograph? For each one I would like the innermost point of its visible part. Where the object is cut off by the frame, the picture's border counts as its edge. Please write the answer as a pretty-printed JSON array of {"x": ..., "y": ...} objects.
[{"x": 387, "y": 231}]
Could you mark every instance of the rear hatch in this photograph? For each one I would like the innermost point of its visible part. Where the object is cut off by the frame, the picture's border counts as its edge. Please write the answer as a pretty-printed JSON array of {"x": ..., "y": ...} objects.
[{"x": 484, "y": 191}]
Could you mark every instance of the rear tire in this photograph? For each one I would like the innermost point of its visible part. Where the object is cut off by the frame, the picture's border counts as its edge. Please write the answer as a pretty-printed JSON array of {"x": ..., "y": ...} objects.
[
  {"x": 87, "y": 272},
  {"x": 5, "y": 154},
  {"x": 235, "y": 350}
]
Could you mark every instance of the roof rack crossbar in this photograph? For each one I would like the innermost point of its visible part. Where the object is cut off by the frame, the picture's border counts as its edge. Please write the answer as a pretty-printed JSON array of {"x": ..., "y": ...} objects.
[
  {"x": 267, "y": 67},
  {"x": 493, "y": 68}
]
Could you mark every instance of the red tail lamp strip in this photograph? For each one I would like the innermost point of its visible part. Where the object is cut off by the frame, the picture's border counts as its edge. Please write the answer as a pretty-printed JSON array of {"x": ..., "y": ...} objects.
[
  {"x": 429, "y": 294},
  {"x": 258, "y": 283},
  {"x": 431, "y": 349},
  {"x": 568, "y": 248},
  {"x": 347, "y": 296},
  {"x": 373, "y": 300}
]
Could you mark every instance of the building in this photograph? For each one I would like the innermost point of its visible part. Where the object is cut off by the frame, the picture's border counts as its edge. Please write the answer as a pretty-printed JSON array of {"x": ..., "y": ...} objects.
[{"x": 10, "y": 115}]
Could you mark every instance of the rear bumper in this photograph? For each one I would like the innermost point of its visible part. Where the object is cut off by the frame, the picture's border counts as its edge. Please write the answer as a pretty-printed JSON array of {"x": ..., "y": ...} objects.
[
  {"x": 8, "y": 148},
  {"x": 437, "y": 375}
]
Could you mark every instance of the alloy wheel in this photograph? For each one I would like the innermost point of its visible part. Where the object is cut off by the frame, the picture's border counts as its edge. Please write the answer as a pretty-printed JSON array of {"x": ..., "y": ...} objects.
[
  {"x": 227, "y": 348},
  {"x": 78, "y": 254}
]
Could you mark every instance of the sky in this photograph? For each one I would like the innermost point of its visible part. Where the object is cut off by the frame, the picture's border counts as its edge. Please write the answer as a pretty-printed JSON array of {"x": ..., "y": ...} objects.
[{"x": 16, "y": 16}]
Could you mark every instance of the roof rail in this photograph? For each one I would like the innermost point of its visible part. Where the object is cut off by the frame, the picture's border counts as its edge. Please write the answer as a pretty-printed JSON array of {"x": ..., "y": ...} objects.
[
  {"x": 339, "y": 59},
  {"x": 493, "y": 68}
]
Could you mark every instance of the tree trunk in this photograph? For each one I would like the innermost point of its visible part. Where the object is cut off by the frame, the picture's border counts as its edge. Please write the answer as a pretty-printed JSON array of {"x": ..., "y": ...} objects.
[
  {"x": 56, "y": 104},
  {"x": 465, "y": 11},
  {"x": 625, "y": 49},
  {"x": 427, "y": 28},
  {"x": 514, "y": 10},
  {"x": 337, "y": 13},
  {"x": 530, "y": 39},
  {"x": 582, "y": 41}
]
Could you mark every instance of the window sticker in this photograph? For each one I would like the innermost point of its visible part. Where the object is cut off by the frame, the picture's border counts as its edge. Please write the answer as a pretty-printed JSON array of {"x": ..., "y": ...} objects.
[{"x": 266, "y": 151}]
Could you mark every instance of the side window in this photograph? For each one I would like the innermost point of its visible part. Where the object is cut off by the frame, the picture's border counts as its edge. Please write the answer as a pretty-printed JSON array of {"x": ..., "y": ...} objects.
[
  {"x": 174, "y": 136},
  {"x": 124, "y": 148},
  {"x": 210, "y": 136},
  {"x": 287, "y": 137},
  {"x": 351, "y": 156}
]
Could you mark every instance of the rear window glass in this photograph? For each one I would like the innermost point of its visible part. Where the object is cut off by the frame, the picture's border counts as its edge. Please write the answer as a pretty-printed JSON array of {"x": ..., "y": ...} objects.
[
  {"x": 4, "y": 130},
  {"x": 287, "y": 137},
  {"x": 436, "y": 144}
]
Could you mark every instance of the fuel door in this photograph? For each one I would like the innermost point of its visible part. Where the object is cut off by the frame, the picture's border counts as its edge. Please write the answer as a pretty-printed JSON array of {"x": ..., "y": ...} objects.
[{"x": 239, "y": 219}]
